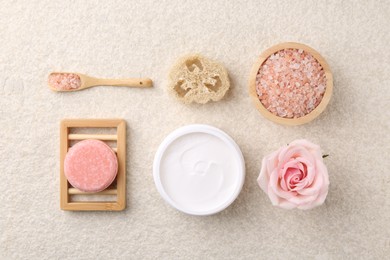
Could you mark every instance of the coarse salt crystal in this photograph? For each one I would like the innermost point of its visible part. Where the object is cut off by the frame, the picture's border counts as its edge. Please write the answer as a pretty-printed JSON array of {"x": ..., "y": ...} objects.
[
  {"x": 64, "y": 81},
  {"x": 290, "y": 83}
]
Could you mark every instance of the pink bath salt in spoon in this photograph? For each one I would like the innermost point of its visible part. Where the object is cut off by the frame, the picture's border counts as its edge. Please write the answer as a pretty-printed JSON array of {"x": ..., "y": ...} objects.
[
  {"x": 90, "y": 165},
  {"x": 64, "y": 81}
]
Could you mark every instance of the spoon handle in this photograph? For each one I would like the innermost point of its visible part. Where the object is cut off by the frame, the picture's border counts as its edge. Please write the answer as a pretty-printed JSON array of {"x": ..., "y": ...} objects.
[{"x": 132, "y": 82}]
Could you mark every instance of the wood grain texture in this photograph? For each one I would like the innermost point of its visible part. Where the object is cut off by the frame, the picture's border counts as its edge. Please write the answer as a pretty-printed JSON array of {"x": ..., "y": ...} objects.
[
  {"x": 118, "y": 187},
  {"x": 88, "y": 82}
]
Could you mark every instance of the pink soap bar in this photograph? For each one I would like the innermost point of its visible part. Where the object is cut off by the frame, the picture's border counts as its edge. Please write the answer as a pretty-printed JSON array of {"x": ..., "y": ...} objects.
[{"x": 90, "y": 166}]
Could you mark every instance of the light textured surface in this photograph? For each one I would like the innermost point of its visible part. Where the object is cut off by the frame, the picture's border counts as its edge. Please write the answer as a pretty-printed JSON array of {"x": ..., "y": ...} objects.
[{"x": 124, "y": 39}]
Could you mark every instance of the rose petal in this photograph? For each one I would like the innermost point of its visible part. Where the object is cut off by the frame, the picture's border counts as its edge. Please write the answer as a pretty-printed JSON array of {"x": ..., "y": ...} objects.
[
  {"x": 318, "y": 201},
  {"x": 324, "y": 188},
  {"x": 285, "y": 204},
  {"x": 292, "y": 163},
  {"x": 300, "y": 186},
  {"x": 263, "y": 178},
  {"x": 315, "y": 149},
  {"x": 273, "y": 197},
  {"x": 272, "y": 161},
  {"x": 320, "y": 180},
  {"x": 274, "y": 185},
  {"x": 283, "y": 174},
  {"x": 302, "y": 167},
  {"x": 313, "y": 189},
  {"x": 300, "y": 199},
  {"x": 293, "y": 173},
  {"x": 298, "y": 164},
  {"x": 294, "y": 152},
  {"x": 283, "y": 185},
  {"x": 310, "y": 169},
  {"x": 321, "y": 198}
]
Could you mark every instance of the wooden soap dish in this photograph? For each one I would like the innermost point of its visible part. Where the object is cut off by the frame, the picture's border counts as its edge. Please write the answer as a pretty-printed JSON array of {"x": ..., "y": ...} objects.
[
  {"x": 118, "y": 187},
  {"x": 290, "y": 121}
]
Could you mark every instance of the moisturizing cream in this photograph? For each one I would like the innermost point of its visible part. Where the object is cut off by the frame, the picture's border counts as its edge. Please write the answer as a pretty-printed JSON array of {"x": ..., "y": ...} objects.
[{"x": 199, "y": 170}]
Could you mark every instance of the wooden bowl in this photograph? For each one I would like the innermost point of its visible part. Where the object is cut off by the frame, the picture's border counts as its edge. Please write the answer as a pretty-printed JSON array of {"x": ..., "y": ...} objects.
[{"x": 291, "y": 121}]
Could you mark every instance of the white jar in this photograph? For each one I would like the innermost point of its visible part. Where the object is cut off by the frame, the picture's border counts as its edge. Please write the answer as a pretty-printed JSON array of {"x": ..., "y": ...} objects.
[{"x": 199, "y": 169}]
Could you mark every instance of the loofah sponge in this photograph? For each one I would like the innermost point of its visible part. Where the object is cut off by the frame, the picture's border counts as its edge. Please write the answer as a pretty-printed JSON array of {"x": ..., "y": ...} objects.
[{"x": 194, "y": 78}]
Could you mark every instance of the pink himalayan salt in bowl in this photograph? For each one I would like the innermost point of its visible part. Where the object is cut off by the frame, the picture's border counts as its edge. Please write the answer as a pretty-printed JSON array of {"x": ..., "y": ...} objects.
[
  {"x": 291, "y": 84},
  {"x": 64, "y": 81}
]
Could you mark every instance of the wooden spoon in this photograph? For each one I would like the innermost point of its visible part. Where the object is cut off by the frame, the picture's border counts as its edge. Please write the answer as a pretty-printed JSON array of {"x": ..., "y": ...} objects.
[{"x": 64, "y": 81}]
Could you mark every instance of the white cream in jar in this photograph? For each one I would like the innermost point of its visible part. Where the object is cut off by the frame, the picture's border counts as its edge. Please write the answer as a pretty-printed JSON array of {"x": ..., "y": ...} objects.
[{"x": 199, "y": 169}]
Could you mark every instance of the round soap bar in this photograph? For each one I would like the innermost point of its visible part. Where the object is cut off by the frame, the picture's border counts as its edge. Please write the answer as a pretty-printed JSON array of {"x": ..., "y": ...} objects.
[
  {"x": 199, "y": 169},
  {"x": 90, "y": 165}
]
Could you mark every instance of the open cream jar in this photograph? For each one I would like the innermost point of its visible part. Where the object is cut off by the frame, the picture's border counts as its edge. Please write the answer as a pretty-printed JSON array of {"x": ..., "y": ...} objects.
[
  {"x": 199, "y": 170},
  {"x": 291, "y": 83}
]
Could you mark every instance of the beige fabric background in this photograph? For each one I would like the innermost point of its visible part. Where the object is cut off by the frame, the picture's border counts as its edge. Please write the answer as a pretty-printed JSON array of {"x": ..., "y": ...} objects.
[{"x": 128, "y": 38}]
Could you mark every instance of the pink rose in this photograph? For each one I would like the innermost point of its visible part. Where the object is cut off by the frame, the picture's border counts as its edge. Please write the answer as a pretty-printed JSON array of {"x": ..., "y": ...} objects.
[{"x": 295, "y": 176}]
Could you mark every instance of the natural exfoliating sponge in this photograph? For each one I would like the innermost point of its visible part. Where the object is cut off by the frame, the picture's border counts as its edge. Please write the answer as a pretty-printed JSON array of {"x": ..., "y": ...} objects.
[{"x": 194, "y": 78}]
